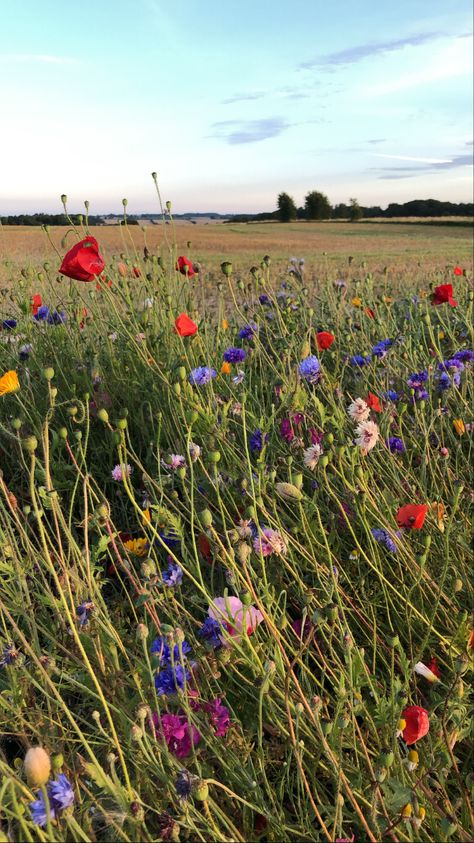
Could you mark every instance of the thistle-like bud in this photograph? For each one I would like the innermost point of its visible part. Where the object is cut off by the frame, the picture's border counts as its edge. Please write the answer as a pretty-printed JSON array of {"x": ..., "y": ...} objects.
[
  {"x": 200, "y": 790},
  {"x": 37, "y": 765},
  {"x": 226, "y": 268},
  {"x": 288, "y": 491}
]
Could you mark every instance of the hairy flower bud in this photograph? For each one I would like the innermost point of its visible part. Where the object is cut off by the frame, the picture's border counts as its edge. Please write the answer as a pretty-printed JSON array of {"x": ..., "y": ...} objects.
[{"x": 37, "y": 766}]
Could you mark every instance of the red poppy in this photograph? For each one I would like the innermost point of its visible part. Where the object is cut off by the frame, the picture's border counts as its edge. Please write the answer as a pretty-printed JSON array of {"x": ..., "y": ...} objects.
[
  {"x": 417, "y": 723},
  {"x": 373, "y": 402},
  {"x": 184, "y": 326},
  {"x": 36, "y": 302},
  {"x": 324, "y": 340},
  {"x": 412, "y": 515},
  {"x": 433, "y": 666},
  {"x": 185, "y": 266},
  {"x": 369, "y": 312},
  {"x": 100, "y": 283},
  {"x": 204, "y": 547},
  {"x": 443, "y": 294},
  {"x": 458, "y": 270},
  {"x": 136, "y": 271},
  {"x": 83, "y": 262}
]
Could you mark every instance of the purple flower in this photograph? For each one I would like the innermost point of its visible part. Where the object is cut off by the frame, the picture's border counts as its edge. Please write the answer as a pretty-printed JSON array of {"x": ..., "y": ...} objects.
[
  {"x": 42, "y": 313},
  {"x": 360, "y": 360},
  {"x": 25, "y": 351},
  {"x": 171, "y": 679},
  {"x": 310, "y": 369},
  {"x": 9, "y": 655},
  {"x": 383, "y": 537},
  {"x": 57, "y": 317},
  {"x": 381, "y": 348},
  {"x": 38, "y": 811},
  {"x": 395, "y": 444},
  {"x": 210, "y": 632},
  {"x": 219, "y": 715},
  {"x": 201, "y": 375},
  {"x": 184, "y": 783},
  {"x": 264, "y": 299},
  {"x": 169, "y": 536},
  {"x": 248, "y": 331},
  {"x": 61, "y": 794},
  {"x": 391, "y": 395},
  {"x": 453, "y": 364},
  {"x": 9, "y": 324},
  {"x": 256, "y": 440},
  {"x": 83, "y": 611},
  {"x": 163, "y": 649},
  {"x": 180, "y": 735},
  {"x": 465, "y": 355},
  {"x": 286, "y": 430},
  {"x": 417, "y": 378},
  {"x": 234, "y": 355},
  {"x": 420, "y": 395},
  {"x": 172, "y": 576}
]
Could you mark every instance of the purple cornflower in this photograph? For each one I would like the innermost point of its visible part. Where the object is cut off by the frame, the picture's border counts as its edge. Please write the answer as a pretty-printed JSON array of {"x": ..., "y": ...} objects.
[
  {"x": 310, "y": 369},
  {"x": 9, "y": 324},
  {"x": 219, "y": 715},
  {"x": 169, "y": 536},
  {"x": 38, "y": 811},
  {"x": 420, "y": 395},
  {"x": 360, "y": 360},
  {"x": 210, "y": 631},
  {"x": 9, "y": 655},
  {"x": 395, "y": 444},
  {"x": 163, "y": 649},
  {"x": 417, "y": 379},
  {"x": 57, "y": 317},
  {"x": 453, "y": 364},
  {"x": 465, "y": 355},
  {"x": 184, "y": 783},
  {"x": 264, "y": 299},
  {"x": 234, "y": 355},
  {"x": 83, "y": 611},
  {"x": 42, "y": 313},
  {"x": 201, "y": 375},
  {"x": 248, "y": 331},
  {"x": 381, "y": 348},
  {"x": 256, "y": 440},
  {"x": 172, "y": 576},
  {"x": 60, "y": 793},
  {"x": 391, "y": 395},
  {"x": 171, "y": 679},
  {"x": 25, "y": 351},
  {"x": 383, "y": 537}
]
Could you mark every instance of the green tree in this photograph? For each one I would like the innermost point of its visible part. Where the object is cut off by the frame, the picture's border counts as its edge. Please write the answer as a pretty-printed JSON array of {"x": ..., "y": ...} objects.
[
  {"x": 355, "y": 211},
  {"x": 317, "y": 206},
  {"x": 286, "y": 208}
]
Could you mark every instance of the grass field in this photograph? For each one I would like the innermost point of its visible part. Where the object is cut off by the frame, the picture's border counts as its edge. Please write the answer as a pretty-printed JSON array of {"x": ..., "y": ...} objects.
[{"x": 235, "y": 523}]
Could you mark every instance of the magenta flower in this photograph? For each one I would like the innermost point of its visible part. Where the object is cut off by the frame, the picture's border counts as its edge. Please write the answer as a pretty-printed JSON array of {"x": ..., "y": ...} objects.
[
  {"x": 231, "y": 613},
  {"x": 270, "y": 541},
  {"x": 179, "y": 734},
  {"x": 286, "y": 430},
  {"x": 117, "y": 473},
  {"x": 219, "y": 715}
]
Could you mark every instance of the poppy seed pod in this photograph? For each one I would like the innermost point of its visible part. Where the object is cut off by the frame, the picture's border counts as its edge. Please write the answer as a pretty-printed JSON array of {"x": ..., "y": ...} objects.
[{"x": 37, "y": 766}]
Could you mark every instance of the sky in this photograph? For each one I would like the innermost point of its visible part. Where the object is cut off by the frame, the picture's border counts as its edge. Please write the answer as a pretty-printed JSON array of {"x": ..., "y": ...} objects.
[{"x": 233, "y": 102}]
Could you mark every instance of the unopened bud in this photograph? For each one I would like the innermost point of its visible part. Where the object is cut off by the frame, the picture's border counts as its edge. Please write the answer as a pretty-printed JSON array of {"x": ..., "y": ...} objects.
[{"x": 37, "y": 766}]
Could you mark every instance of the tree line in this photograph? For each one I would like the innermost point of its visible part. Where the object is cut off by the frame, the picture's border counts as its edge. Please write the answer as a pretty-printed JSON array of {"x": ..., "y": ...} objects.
[
  {"x": 318, "y": 207},
  {"x": 49, "y": 219}
]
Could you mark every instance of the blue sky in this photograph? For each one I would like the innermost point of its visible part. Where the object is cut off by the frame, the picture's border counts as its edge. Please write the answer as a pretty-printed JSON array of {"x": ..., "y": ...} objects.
[{"x": 231, "y": 103}]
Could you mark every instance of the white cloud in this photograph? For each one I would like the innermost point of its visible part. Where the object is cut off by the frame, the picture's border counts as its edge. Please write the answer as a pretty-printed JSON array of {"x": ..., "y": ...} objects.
[
  {"x": 412, "y": 158},
  {"x": 35, "y": 58}
]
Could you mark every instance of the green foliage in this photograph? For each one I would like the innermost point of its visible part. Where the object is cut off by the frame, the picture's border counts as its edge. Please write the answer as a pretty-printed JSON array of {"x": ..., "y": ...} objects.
[
  {"x": 286, "y": 208},
  {"x": 317, "y": 206}
]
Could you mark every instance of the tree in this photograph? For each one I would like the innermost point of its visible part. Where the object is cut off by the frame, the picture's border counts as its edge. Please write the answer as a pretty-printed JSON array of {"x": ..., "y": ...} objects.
[
  {"x": 317, "y": 206},
  {"x": 341, "y": 212},
  {"x": 355, "y": 211},
  {"x": 286, "y": 208}
]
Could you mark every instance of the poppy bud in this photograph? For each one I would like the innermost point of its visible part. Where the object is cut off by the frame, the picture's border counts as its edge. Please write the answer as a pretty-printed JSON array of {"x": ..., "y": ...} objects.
[
  {"x": 380, "y": 774},
  {"x": 205, "y": 518},
  {"x": 31, "y": 444},
  {"x": 57, "y": 761},
  {"x": 200, "y": 790},
  {"x": 48, "y": 373},
  {"x": 288, "y": 491},
  {"x": 103, "y": 415},
  {"x": 64, "y": 198},
  {"x": 226, "y": 268},
  {"x": 326, "y": 727},
  {"x": 386, "y": 759},
  {"x": 37, "y": 766},
  {"x": 62, "y": 432},
  {"x": 214, "y": 456},
  {"x": 331, "y": 612}
]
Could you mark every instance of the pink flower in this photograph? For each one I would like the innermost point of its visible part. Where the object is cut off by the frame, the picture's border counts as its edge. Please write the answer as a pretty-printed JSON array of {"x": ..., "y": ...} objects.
[
  {"x": 219, "y": 714},
  {"x": 367, "y": 434},
  {"x": 359, "y": 410},
  {"x": 180, "y": 735},
  {"x": 117, "y": 473},
  {"x": 232, "y": 614},
  {"x": 175, "y": 461},
  {"x": 270, "y": 541}
]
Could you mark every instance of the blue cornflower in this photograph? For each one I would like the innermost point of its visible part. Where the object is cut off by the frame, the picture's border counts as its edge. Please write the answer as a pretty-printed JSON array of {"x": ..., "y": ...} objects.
[
  {"x": 83, "y": 611},
  {"x": 57, "y": 317},
  {"x": 360, "y": 360},
  {"x": 172, "y": 576},
  {"x": 9, "y": 655},
  {"x": 420, "y": 395},
  {"x": 391, "y": 395},
  {"x": 310, "y": 369},
  {"x": 444, "y": 382},
  {"x": 201, "y": 375},
  {"x": 256, "y": 440},
  {"x": 38, "y": 811},
  {"x": 163, "y": 649},
  {"x": 171, "y": 679},
  {"x": 169, "y": 536},
  {"x": 184, "y": 783},
  {"x": 210, "y": 631},
  {"x": 42, "y": 313},
  {"x": 24, "y": 351},
  {"x": 264, "y": 299},
  {"x": 453, "y": 364},
  {"x": 381, "y": 348},
  {"x": 248, "y": 331},
  {"x": 465, "y": 355},
  {"x": 60, "y": 793},
  {"x": 9, "y": 324},
  {"x": 417, "y": 378},
  {"x": 234, "y": 355},
  {"x": 396, "y": 444},
  {"x": 383, "y": 537}
]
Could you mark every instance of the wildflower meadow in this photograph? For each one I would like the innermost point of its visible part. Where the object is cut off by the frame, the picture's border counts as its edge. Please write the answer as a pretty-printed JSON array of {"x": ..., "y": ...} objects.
[{"x": 235, "y": 551}]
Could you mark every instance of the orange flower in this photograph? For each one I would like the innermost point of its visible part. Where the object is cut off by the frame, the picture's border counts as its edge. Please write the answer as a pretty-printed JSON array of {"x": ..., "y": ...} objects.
[
  {"x": 226, "y": 368},
  {"x": 225, "y": 324},
  {"x": 459, "y": 426},
  {"x": 373, "y": 402},
  {"x": 9, "y": 382},
  {"x": 357, "y": 302}
]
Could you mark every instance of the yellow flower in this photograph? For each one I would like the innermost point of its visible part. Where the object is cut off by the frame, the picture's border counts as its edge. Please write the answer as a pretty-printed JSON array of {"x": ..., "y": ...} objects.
[
  {"x": 459, "y": 426},
  {"x": 138, "y": 547},
  {"x": 226, "y": 368},
  {"x": 423, "y": 294},
  {"x": 407, "y": 811},
  {"x": 225, "y": 324},
  {"x": 441, "y": 335},
  {"x": 146, "y": 515},
  {"x": 388, "y": 299},
  {"x": 357, "y": 302},
  {"x": 9, "y": 383}
]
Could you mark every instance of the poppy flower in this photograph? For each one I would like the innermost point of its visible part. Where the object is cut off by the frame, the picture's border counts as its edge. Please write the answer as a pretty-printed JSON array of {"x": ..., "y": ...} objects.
[
  {"x": 459, "y": 426},
  {"x": 36, "y": 302},
  {"x": 412, "y": 515},
  {"x": 185, "y": 266},
  {"x": 369, "y": 312},
  {"x": 136, "y": 272},
  {"x": 324, "y": 339},
  {"x": 9, "y": 382},
  {"x": 184, "y": 326},
  {"x": 443, "y": 294},
  {"x": 433, "y": 666},
  {"x": 83, "y": 262},
  {"x": 458, "y": 270},
  {"x": 373, "y": 402},
  {"x": 417, "y": 723}
]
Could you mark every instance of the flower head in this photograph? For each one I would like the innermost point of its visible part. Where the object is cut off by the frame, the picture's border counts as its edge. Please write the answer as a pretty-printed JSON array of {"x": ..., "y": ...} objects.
[
  {"x": 83, "y": 612},
  {"x": 233, "y": 615},
  {"x": 417, "y": 723},
  {"x": 248, "y": 331},
  {"x": 443, "y": 294},
  {"x": 234, "y": 355},
  {"x": 219, "y": 716},
  {"x": 324, "y": 339},
  {"x": 117, "y": 473},
  {"x": 179, "y": 734},
  {"x": 426, "y": 671},
  {"x": 172, "y": 575},
  {"x": 311, "y": 456},
  {"x": 367, "y": 435},
  {"x": 257, "y": 440},
  {"x": 83, "y": 262},
  {"x": 185, "y": 267},
  {"x": 383, "y": 537},
  {"x": 60, "y": 793},
  {"x": 360, "y": 360},
  {"x": 194, "y": 451},
  {"x": 270, "y": 541},
  {"x": 396, "y": 445},
  {"x": 310, "y": 369},
  {"x": 211, "y": 631},
  {"x": 380, "y": 350},
  {"x": 373, "y": 402},
  {"x": 184, "y": 326},
  {"x": 201, "y": 376},
  {"x": 458, "y": 270},
  {"x": 465, "y": 355},
  {"x": 9, "y": 383},
  {"x": 171, "y": 679},
  {"x": 417, "y": 379},
  {"x": 412, "y": 516},
  {"x": 359, "y": 410},
  {"x": 38, "y": 811}
]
